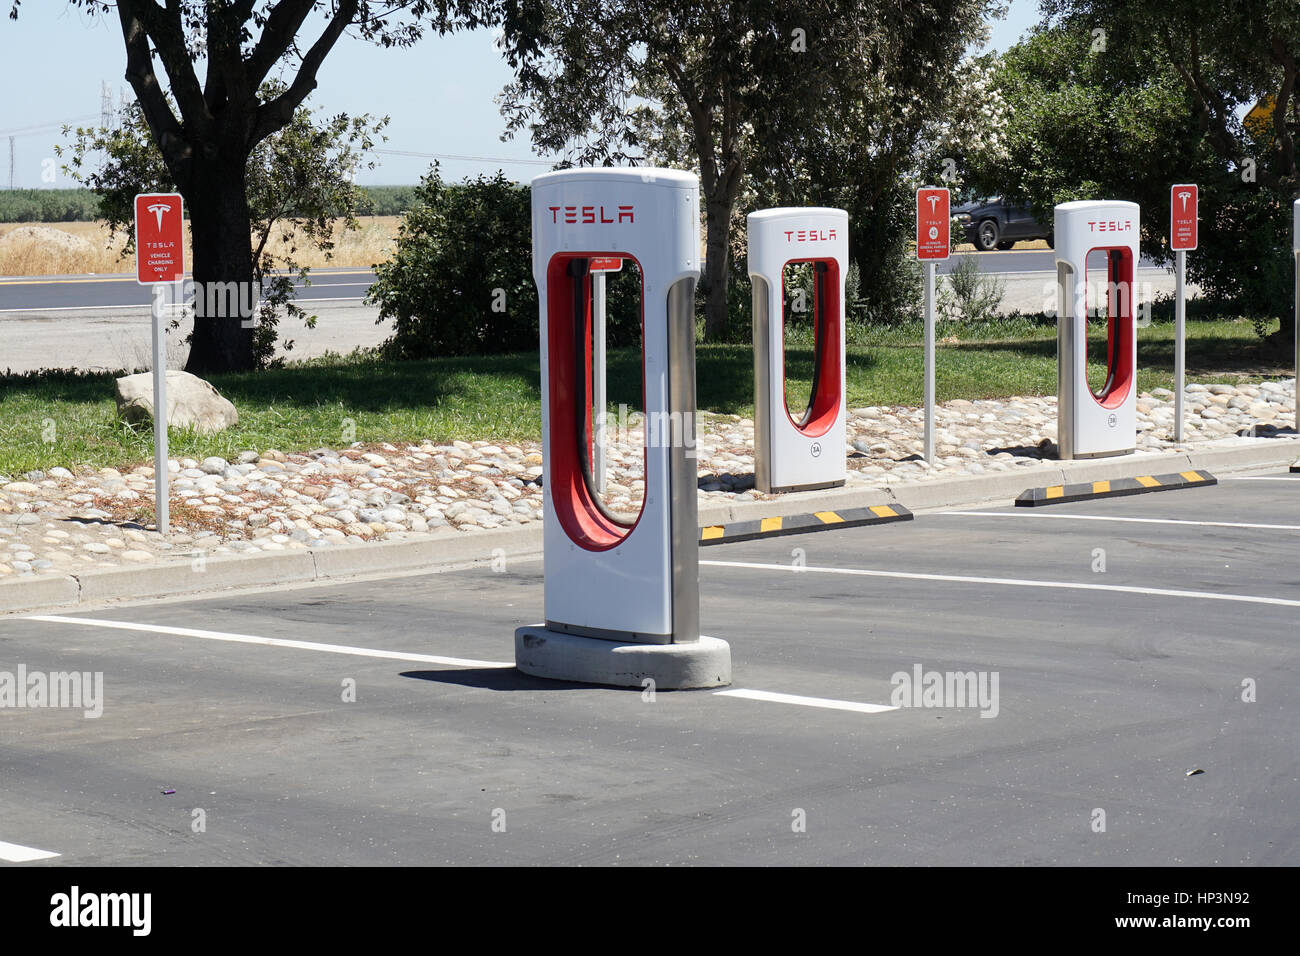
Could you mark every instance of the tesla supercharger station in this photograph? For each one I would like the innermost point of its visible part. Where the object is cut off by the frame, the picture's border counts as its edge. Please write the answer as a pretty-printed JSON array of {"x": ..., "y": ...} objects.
[
  {"x": 1101, "y": 423},
  {"x": 621, "y": 591},
  {"x": 804, "y": 449}
]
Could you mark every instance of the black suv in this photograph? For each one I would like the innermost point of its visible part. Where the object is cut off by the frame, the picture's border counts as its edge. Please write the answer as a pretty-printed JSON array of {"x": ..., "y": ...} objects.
[{"x": 995, "y": 224}]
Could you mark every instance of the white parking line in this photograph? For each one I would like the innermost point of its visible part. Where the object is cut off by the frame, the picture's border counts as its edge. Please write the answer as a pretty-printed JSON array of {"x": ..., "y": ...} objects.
[
  {"x": 1011, "y": 582},
  {"x": 271, "y": 641},
  {"x": 762, "y": 695},
  {"x": 17, "y": 853},
  {"x": 1261, "y": 478},
  {"x": 826, "y": 702},
  {"x": 1199, "y": 524}
]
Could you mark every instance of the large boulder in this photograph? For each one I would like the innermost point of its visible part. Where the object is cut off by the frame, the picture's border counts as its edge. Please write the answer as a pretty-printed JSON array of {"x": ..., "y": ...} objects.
[{"x": 191, "y": 402}]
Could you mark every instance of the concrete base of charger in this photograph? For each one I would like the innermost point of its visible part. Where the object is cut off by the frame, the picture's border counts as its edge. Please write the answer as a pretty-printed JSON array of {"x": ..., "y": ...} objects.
[{"x": 590, "y": 660}]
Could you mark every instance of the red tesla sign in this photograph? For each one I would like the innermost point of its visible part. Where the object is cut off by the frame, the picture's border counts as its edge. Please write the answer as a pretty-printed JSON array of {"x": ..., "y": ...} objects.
[
  {"x": 1182, "y": 217},
  {"x": 159, "y": 238},
  {"x": 932, "y": 223},
  {"x": 607, "y": 264}
]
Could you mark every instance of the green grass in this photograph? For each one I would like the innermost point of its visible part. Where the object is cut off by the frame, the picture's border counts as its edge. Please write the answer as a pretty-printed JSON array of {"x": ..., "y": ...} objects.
[
  {"x": 49, "y": 418},
  {"x": 68, "y": 419}
]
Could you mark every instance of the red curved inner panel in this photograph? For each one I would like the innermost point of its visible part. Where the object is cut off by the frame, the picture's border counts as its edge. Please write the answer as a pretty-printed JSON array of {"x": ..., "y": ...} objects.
[
  {"x": 828, "y": 320},
  {"x": 1120, "y": 327},
  {"x": 578, "y": 514}
]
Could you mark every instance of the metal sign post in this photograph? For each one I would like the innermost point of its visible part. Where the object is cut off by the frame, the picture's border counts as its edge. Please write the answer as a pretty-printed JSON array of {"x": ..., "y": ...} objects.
[
  {"x": 160, "y": 260},
  {"x": 1182, "y": 237},
  {"x": 599, "y": 402},
  {"x": 929, "y": 361},
  {"x": 1180, "y": 341},
  {"x": 158, "y": 315},
  {"x": 1295, "y": 245},
  {"x": 933, "y": 224}
]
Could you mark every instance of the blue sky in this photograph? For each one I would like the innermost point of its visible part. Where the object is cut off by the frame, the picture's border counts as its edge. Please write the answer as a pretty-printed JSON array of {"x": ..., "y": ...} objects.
[{"x": 439, "y": 94}]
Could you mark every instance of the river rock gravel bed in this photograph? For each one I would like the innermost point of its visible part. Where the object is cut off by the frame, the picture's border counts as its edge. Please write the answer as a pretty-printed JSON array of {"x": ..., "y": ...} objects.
[{"x": 59, "y": 521}]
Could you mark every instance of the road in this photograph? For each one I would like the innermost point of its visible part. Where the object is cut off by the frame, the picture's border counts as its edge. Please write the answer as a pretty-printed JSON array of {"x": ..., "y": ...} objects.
[
  {"x": 79, "y": 293},
  {"x": 52, "y": 294},
  {"x": 1114, "y": 687},
  {"x": 102, "y": 322},
  {"x": 1019, "y": 261}
]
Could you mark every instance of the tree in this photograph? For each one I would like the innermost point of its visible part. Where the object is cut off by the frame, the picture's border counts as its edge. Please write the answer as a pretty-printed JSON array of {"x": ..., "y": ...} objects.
[
  {"x": 206, "y": 130},
  {"x": 1120, "y": 101},
  {"x": 582, "y": 65},
  {"x": 794, "y": 95},
  {"x": 1227, "y": 56},
  {"x": 301, "y": 182},
  {"x": 891, "y": 100}
]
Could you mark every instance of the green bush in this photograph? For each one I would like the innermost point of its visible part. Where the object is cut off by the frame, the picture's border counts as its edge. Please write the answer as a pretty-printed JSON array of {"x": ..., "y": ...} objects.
[
  {"x": 969, "y": 293},
  {"x": 461, "y": 279}
]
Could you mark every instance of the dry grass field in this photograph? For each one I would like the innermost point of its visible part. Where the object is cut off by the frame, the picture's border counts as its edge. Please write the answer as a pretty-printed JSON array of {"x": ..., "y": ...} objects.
[{"x": 79, "y": 248}]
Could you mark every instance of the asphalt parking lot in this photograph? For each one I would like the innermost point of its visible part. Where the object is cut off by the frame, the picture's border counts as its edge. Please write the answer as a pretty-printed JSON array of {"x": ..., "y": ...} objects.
[{"x": 1123, "y": 633}]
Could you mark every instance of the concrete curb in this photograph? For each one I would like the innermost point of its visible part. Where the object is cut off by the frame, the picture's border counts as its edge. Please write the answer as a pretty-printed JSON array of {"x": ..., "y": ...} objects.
[
  {"x": 447, "y": 547},
  {"x": 205, "y": 575}
]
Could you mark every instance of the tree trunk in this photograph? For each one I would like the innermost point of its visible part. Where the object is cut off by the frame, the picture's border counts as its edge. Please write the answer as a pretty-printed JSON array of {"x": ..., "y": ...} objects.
[
  {"x": 717, "y": 267},
  {"x": 223, "y": 270}
]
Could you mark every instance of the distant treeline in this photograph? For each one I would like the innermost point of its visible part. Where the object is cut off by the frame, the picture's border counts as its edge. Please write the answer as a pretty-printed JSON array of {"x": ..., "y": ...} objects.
[
  {"x": 48, "y": 205},
  {"x": 82, "y": 205}
]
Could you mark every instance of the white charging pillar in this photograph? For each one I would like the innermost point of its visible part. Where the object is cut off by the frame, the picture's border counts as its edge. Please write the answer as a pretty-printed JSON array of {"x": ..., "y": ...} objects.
[
  {"x": 621, "y": 591},
  {"x": 798, "y": 450},
  {"x": 1095, "y": 424}
]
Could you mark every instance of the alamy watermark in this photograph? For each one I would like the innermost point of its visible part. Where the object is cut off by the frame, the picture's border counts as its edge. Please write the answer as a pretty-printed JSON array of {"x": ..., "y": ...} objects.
[
  {"x": 77, "y": 690},
  {"x": 76, "y": 908},
  {"x": 213, "y": 299},
  {"x": 1095, "y": 296},
  {"x": 922, "y": 688},
  {"x": 661, "y": 429}
]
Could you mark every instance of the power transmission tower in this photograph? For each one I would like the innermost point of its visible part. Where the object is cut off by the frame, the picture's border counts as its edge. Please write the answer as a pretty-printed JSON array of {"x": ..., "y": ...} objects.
[
  {"x": 105, "y": 105},
  {"x": 11, "y": 161}
]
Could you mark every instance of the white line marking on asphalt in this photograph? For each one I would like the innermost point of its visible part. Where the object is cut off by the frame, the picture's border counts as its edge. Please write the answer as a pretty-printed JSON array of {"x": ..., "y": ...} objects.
[
  {"x": 1013, "y": 582},
  {"x": 16, "y": 853},
  {"x": 1202, "y": 524},
  {"x": 1259, "y": 478},
  {"x": 271, "y": 641},
  {"x": 824, "y": 702}
]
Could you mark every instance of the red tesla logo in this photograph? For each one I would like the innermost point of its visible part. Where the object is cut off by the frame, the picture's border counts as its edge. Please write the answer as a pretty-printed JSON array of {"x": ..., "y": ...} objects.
[
  {"x": 590, "y": 215},
  {"x": 809, "y": 235}
]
